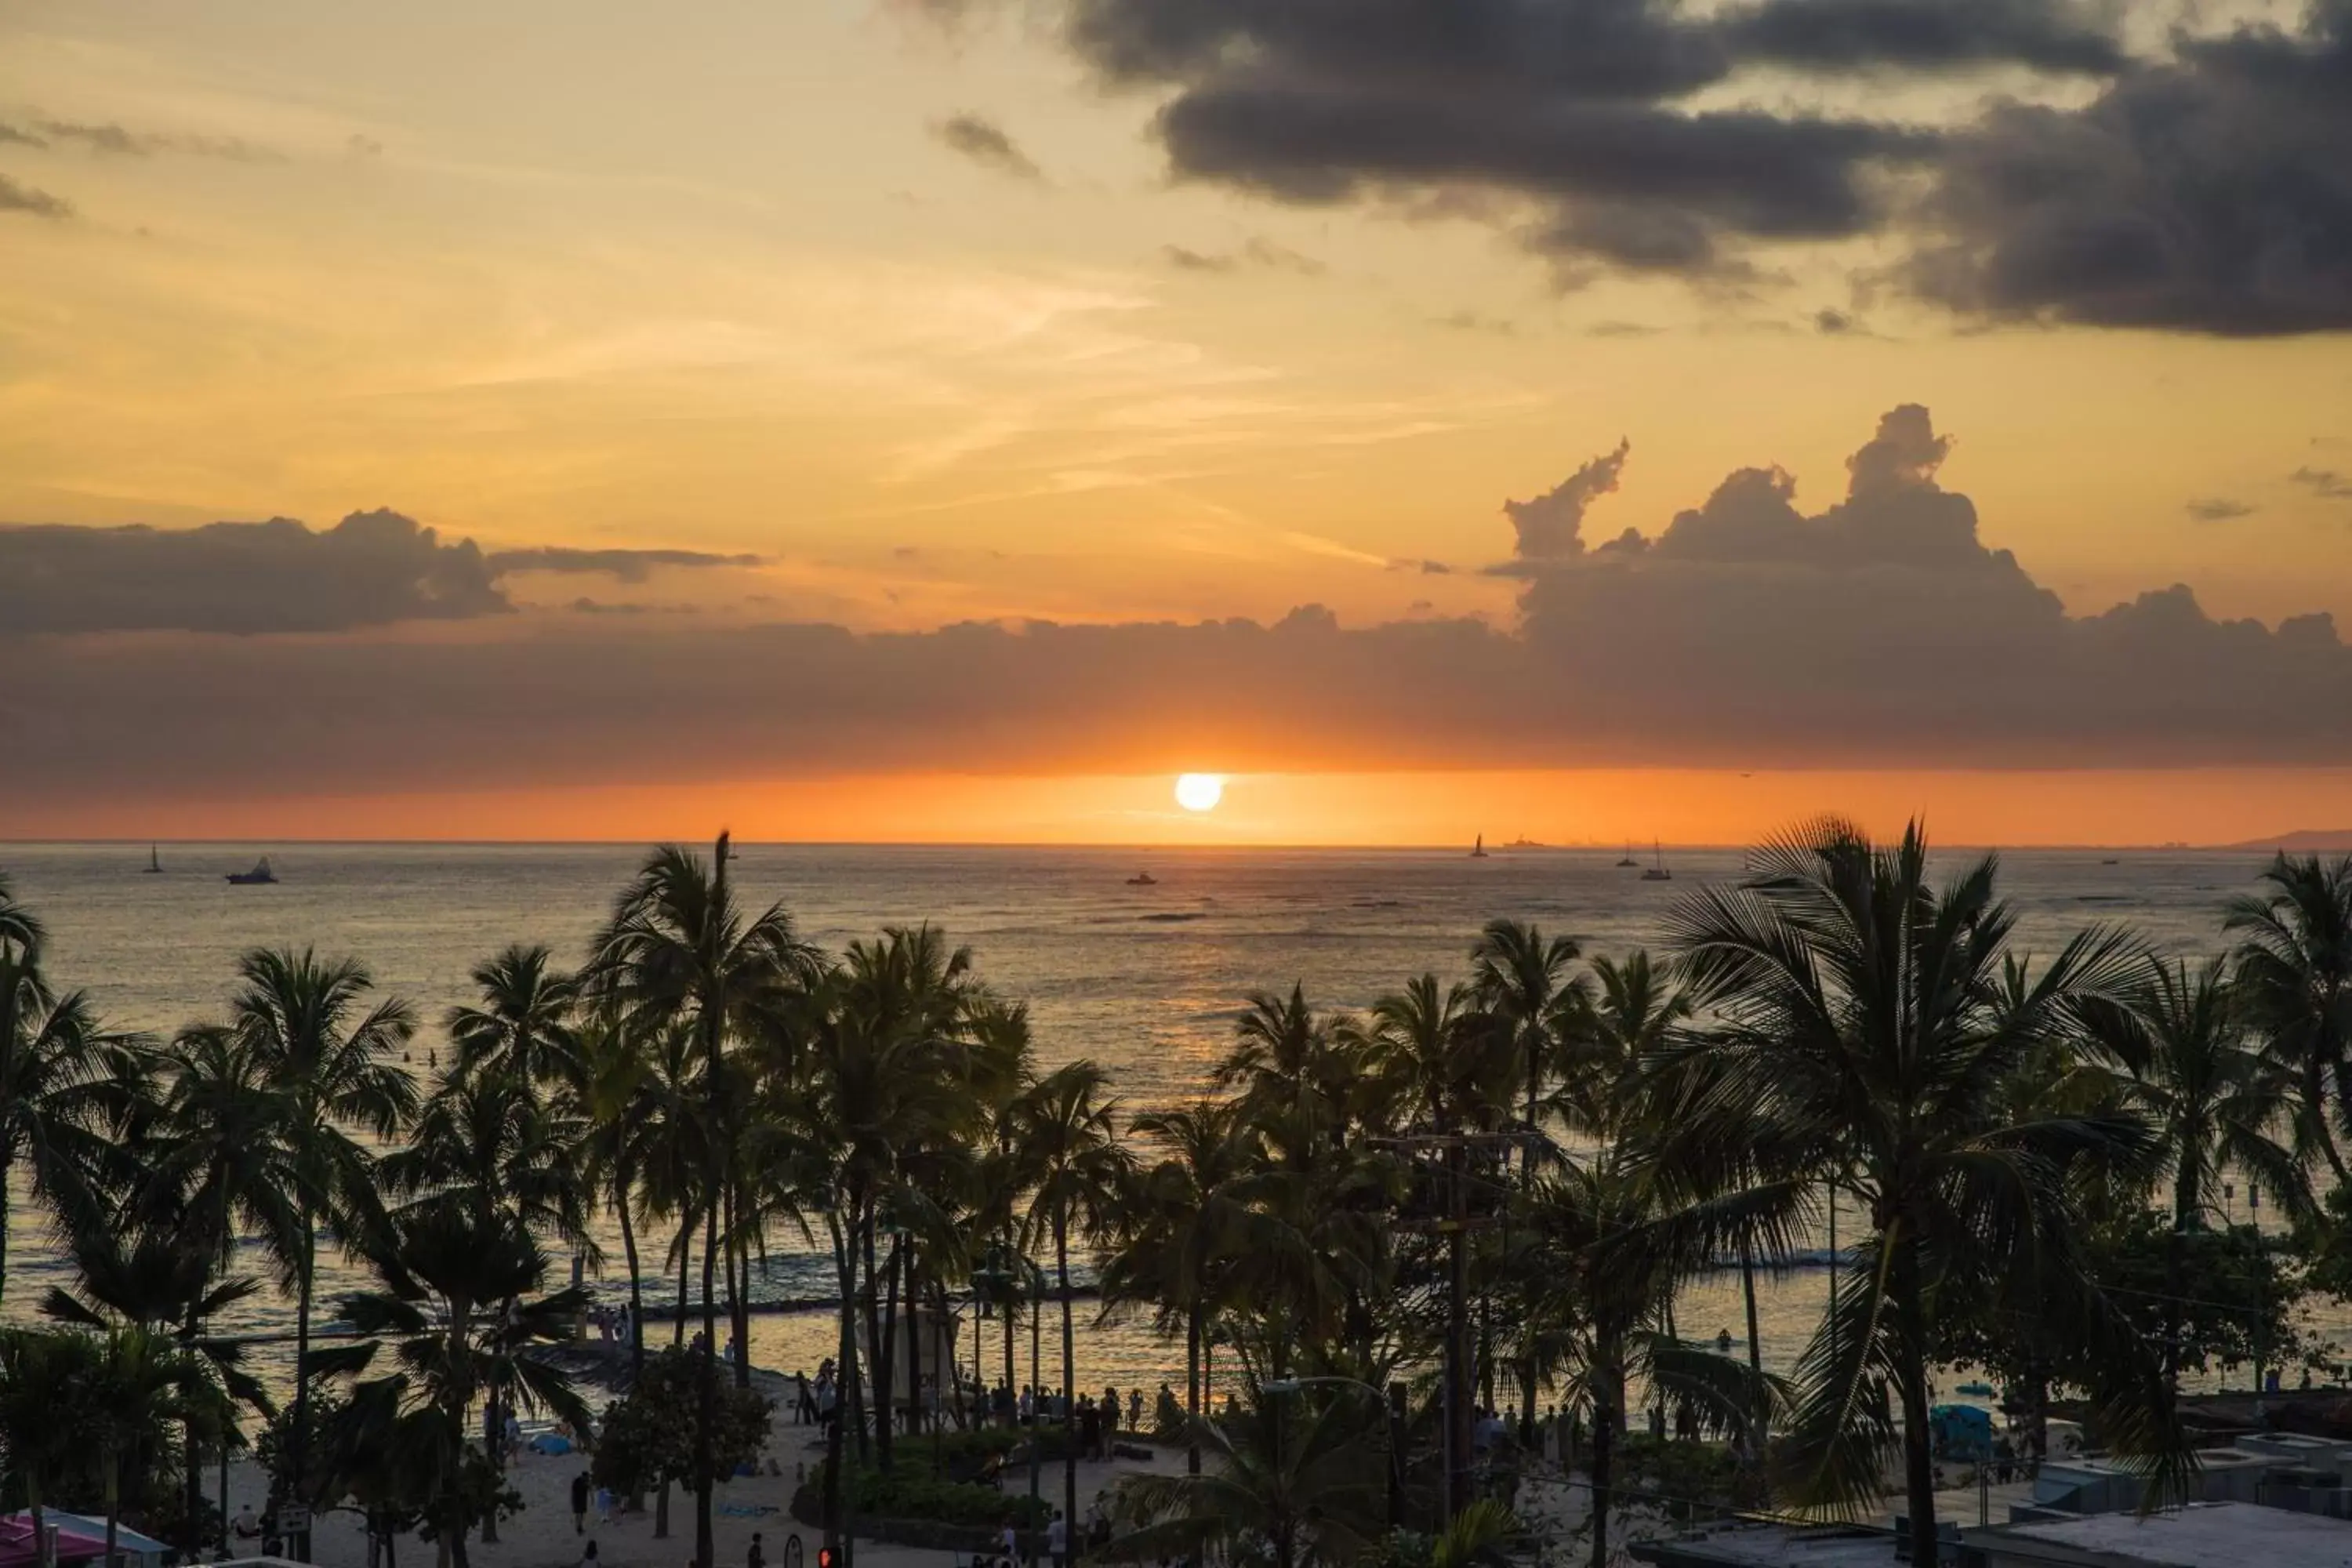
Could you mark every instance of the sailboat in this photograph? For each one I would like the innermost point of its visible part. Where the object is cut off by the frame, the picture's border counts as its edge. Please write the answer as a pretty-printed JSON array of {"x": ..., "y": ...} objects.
[
  {"x": 1657, "y": 871},
  {"x": 261, "y": 873},
  {"x": 1629, "y": 859},
  {"x": 154, "y": 862},
  {"x": 1478, "y": 850}
]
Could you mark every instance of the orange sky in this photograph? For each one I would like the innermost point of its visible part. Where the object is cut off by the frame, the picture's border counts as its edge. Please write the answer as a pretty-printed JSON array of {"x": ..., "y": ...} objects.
[
  {"x": 729, "y": 283},
  {"x": 1605, "y": 808}
]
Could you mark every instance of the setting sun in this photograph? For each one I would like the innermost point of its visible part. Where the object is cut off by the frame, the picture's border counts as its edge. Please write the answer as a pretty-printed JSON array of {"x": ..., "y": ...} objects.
[{"x": 1200, "y": 792}]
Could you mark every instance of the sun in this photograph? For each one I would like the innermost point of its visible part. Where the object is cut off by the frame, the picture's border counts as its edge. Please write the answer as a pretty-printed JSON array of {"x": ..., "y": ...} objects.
[{"x": 1200, "y": 792}]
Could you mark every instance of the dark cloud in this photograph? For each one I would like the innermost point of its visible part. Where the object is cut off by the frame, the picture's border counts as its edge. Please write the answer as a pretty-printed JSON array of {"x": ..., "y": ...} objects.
[
  {"x": 986, "y": 143},
  {"x": 1257, "y": 251},
  {"x": 628, "y": 565},
  {"x": 113, "y": 139},
  {"x": 18, "y": 135},
  {"x": 2325, "y": 483},
  {"x": 1833, "y": 323},
  {"x": 372, "y": 569},
  {"x": 1879, "y": 631},
  {"x": 2210, "y": 194},
  {"x": 2205, "y": 187},
  {"x": 1550, "y": 527},
  {"x": 32, "y": 201},
  {"x": 2217, "y": 508},
  {"x": 1926, "y": 34},
  {"x": 1475, "y": 321}
]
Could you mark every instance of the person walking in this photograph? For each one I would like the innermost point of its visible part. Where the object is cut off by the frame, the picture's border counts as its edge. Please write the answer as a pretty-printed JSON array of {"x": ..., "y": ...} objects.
[
  {"x": 1057, "y": 1541},
  {"x": 580, "y": 1503}
]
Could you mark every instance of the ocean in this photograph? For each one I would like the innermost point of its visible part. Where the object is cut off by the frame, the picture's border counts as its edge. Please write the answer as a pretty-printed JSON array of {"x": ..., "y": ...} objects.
[{"x": 1147, "y": 980}]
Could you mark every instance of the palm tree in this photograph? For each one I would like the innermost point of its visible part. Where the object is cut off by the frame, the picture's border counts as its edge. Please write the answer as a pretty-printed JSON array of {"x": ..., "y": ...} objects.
[
  {"x": 65, "y": 1083},
  {"x": 1182, "y": 1224},
  {"x": 487, "y": 1139},
  {"x": 1520, "y": 976},
  {"x": 1294, "y": 1079},
  {"x": 45, "y": 1414},
  {"x": 20, "y": 930},
  {"x": 1295, "y": 1472},
  {"x": 455, "y": 1311},
  {"x": 613, "y": 1102},
  {"x": 329, "y": 1055},
  {"x": 681, "y": 947},
  {"x": 1865, "y": 1031},
  {"x": 134, "y": 1390},
  {"x": 524, "y": 1022},
  {"x": 2293, "y": 968},
  {"x": 1067, "y": 1133}
]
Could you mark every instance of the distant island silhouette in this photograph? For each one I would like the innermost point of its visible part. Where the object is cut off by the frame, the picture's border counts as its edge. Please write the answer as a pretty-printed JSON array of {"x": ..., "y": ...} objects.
[{"x": 2306, "y": 840}]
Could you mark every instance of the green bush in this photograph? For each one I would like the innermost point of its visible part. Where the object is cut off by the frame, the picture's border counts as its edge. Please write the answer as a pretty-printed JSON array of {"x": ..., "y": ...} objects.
[{"x": 912, "y": 1492}]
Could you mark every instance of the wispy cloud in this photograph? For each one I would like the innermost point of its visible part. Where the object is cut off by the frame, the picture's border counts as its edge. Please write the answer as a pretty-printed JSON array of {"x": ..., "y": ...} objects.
[
  {"x": 31, "y": 200},
  {"x": 1256, "y": 252},
  {"x": 2217, "y": 508},
  {"x": 2327, "y": 484},
  {"x": 111, "y": 137}
]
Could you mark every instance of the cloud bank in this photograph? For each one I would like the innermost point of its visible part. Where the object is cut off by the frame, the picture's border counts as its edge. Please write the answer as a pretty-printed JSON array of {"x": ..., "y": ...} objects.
[
  {"x": 2206, "y": 187},
  {"x": 1877, "y": 631},
  {"x": 371, "y": 569}
]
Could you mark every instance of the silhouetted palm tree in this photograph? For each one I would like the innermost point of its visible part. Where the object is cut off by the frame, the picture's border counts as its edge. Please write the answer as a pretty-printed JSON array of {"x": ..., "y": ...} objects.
[
  {"x": 1865, "y": 1031},
  {"x": 330, "y": 1055},
  {"x": 1293, "y": 1472},
  {"x": 65, "y": 1083},
  {"x": 524, "y": 1023},
  {"x": 1065, "y": 1131},
  {"x": 682, "y": 948},
  {"x": 2293, "y": 969}
]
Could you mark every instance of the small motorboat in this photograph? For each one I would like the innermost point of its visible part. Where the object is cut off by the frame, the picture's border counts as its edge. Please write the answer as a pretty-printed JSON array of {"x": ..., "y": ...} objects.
[
  {"x": 154, "y": 862},
  {"x": 261, "y": 873},
  {"x": 1143, "y": 879}
]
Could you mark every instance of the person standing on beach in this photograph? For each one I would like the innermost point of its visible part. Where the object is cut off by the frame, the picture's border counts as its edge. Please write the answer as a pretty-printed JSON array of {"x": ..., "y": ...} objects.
[
  {"x": 580, "y": 1503},
  {"x": 1057, "y": 1541},
  {"x": 758, "y": 1557}
]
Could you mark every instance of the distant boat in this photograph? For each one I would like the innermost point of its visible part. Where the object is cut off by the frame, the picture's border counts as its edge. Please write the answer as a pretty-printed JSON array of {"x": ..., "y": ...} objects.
[
  {"x": 1629, "y": 859},
  {"x": 1523, "y": 842},
  {"x": 154, "y": 862},
  {"x": 1657, "y": 871},
  {"x": 261, "y": 873},
  {"x": 1478, "y": 850},
  {"x": 1143, "y": 879}
]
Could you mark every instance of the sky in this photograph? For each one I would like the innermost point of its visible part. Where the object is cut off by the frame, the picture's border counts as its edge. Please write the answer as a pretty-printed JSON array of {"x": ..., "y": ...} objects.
[{"x": 1588, "y": 420}]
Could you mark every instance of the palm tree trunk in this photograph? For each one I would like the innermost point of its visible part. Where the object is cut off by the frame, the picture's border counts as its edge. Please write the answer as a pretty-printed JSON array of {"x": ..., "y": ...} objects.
[
  {"x": 636, "y": 1294},
  {"x": 1069, "y": 1382},
  {"x": 705, "y": 1403},
  {"x": 685, "y": 1262},
  {"x": 1604, "y": 1422},
  {"x": 1192, "y": 1382},
  {"x": 112, "y": 1484},
  {"x": 914, "y": 1341},
  {"x": 1755, "y": 1435},
  {"x": 875, "y": 1348},
  {"x": 5, "y": 1208},
  {"x": 40, "y": 1519},
  {"x": 886, "y": 1357},
  {"x": 1013, "y": 1412},
  {"x": 836, "y": 1522},
  {"x": 306, "y": 1267},
  {"x": 1918, "y": 1460},
  {"x": 738, "y": 1290}
]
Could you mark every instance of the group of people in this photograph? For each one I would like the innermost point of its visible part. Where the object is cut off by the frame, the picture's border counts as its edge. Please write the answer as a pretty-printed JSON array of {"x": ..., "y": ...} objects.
[
  {"x": 612, "y": 1324},
  {"x": 1098, "y": 1421},
  {"x": 815, "y": 1403}
]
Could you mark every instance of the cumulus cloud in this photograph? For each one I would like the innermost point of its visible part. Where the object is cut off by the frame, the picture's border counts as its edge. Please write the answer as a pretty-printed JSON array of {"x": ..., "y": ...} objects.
[
  {"x": 986, "y": 143},
  {"x": 1749, "y": 631},
  {"x": 371, "y": 569},
  {"x": 2203, "y": 187},
  {"x": 32, "y": 201},
  {"x": 1550, "y": 527}
]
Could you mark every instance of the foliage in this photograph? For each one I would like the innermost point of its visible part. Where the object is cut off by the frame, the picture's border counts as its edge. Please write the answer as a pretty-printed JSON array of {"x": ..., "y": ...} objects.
[
  {"x": 911, "y": 1492},
  {"x": 646, "y": 1440}
]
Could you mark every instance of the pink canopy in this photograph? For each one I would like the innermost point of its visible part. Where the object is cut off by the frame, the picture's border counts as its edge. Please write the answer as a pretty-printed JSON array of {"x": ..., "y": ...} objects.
[{"x": 18, "y": 1550}]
